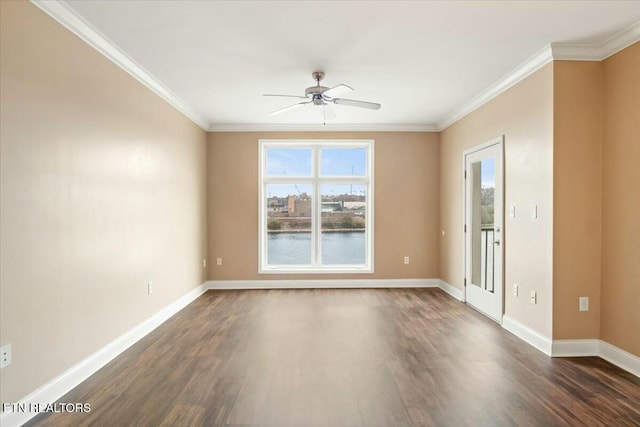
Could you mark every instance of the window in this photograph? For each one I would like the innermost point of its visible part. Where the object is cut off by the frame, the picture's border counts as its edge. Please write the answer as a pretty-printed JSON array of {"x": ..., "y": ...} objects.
[{"x": 315, "y": 206}]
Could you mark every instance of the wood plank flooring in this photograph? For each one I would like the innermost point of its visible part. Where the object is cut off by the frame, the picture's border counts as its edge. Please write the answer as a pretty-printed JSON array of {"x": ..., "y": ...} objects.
[{"x": 361, "y": 357}]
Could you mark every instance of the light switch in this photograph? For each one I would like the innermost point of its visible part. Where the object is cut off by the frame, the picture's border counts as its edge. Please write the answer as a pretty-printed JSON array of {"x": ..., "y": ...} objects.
[
  {"x": 512, "y": 211},
  {"x": 583, "y": 303},
  {"x": 534, "y": 211}
]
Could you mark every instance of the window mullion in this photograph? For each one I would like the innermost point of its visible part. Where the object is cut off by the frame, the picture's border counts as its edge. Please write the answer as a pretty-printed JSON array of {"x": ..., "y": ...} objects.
[
  {"x": 288, "y": 180},
  {"x": 316, "y": 220}
]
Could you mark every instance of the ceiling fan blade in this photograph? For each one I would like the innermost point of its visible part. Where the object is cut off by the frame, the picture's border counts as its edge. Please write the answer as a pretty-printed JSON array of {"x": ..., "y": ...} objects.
[
  {"x": 327, "y": 112},
  {"x": 290, "y": 107},
  {"x": 354, "y": 103},
  {"x": 337, "y": 91},
  {"x": 288, "y": 96}
]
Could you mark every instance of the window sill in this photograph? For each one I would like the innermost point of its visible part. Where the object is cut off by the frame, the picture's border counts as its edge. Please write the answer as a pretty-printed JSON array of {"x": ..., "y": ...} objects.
[{"x": 324, "y": 270}]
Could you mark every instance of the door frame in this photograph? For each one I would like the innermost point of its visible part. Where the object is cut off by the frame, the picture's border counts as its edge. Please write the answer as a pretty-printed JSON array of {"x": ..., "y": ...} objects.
[{"x": 499, "y": 141}]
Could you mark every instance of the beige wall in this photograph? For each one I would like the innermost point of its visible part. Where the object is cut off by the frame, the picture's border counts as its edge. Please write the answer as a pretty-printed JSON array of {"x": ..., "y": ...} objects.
[
  {"x": 577, "y": 183},
  {"x": 406, "y": 204},
  {"x": 102, "y": 189},
  {"x": 572, "y": 133},
  {"x": 524, "y": 114},
  {"x": 620, "y": 317}
]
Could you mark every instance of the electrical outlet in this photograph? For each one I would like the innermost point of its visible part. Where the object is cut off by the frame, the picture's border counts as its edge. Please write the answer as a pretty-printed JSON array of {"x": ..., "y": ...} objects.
[
  {"x": 150, "y": 288},
  {"x": 515, "y": 289},
  {"x": 5, "y": 356},
  {"x": 534, "y": 297},
  {"x": 204, "y": 263},
  {"x": 406, "y": 260},
  {"x": 219, "y": 261},
  {"x": 583, "y": 303}
]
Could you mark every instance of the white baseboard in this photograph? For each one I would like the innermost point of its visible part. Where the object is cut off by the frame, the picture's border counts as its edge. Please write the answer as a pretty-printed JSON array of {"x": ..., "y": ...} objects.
[
  {"x": 323, "y": 284},
  {"x": 575, "y": 348},
  {"x": 63, "y": 383},
  {"x": 340, "y": 283},
  {"x": 455, "y": 292},
  {"x": 622, "y": 359},
  {"x": 599, "y": 348},
  {"x": 527, "y": 334}
]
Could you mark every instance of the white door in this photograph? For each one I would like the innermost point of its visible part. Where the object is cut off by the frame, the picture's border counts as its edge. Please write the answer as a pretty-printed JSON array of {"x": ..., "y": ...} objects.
[{"x": 483, "y": 227}]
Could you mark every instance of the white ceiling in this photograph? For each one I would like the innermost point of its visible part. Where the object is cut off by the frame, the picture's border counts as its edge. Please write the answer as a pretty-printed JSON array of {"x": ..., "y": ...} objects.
[{"x": 420, "y": 60}]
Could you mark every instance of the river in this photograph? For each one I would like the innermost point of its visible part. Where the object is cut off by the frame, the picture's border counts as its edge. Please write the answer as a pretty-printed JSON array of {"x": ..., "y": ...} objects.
[{"x": 295, "y": 248}]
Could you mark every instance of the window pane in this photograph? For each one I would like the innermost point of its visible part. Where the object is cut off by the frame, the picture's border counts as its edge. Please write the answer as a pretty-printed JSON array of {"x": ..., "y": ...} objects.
[
  {"x": 482, "y": 181},
  {"x": 344, "y": 224},
  {"x": 289, "y": 224},
  {"x": 314, "y": 206},
  {"x": 289, "y": 161},
  {"x": 343, "y": 162}
]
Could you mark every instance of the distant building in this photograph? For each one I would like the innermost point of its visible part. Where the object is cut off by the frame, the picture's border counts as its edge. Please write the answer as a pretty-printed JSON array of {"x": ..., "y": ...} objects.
[
  {"x": 355, "y": 205},
  {"x": 276, "y": 204},
  {"x": 331, "y": 206},
  {"x": 299, "y": 205},
  {"x": 303, "y": 207}
]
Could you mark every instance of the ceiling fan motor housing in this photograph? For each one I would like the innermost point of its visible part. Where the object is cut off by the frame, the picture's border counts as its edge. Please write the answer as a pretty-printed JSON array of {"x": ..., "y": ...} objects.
[{"x": 315, "y": 90}]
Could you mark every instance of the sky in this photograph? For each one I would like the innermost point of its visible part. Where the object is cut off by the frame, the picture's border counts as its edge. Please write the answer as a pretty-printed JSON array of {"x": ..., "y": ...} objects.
[
  {"x": 334, "y": 161},
  {"x": 488, "y": 172}
]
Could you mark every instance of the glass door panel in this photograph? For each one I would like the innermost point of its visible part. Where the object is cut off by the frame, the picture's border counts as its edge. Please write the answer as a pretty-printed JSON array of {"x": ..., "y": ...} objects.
[{"x": 483, "y": 222}]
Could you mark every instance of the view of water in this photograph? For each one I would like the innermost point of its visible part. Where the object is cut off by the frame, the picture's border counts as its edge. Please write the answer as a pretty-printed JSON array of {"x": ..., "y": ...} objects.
[{"x": 295, "y": 248}]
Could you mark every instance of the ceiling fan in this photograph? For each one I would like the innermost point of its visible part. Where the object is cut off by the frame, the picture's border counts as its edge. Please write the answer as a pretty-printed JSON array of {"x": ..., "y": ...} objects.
[{"x": 323, "y": 97}]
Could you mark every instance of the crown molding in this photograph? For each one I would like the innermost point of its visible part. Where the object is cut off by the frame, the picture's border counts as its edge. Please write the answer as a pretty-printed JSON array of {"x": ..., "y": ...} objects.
[
  {"x": 597, "y": 52},
  {"x": 267, "y": 127},
  {"x": 68, "y": 18},
  {"x": 520, "y": 73},
  {"x": 554, "y": 51}
]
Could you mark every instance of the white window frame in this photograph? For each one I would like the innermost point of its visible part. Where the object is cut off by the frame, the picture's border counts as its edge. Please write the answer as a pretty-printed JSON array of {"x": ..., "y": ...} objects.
[{"x": 316, "y": 181}]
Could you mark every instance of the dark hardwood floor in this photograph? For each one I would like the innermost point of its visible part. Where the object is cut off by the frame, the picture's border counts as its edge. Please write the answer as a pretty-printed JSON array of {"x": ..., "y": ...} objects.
[{"x": 383, "y": 357}]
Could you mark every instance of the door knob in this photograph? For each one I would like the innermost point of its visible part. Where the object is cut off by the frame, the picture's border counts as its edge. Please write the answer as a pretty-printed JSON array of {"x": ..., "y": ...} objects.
[{"x": 497, "y": 242}]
